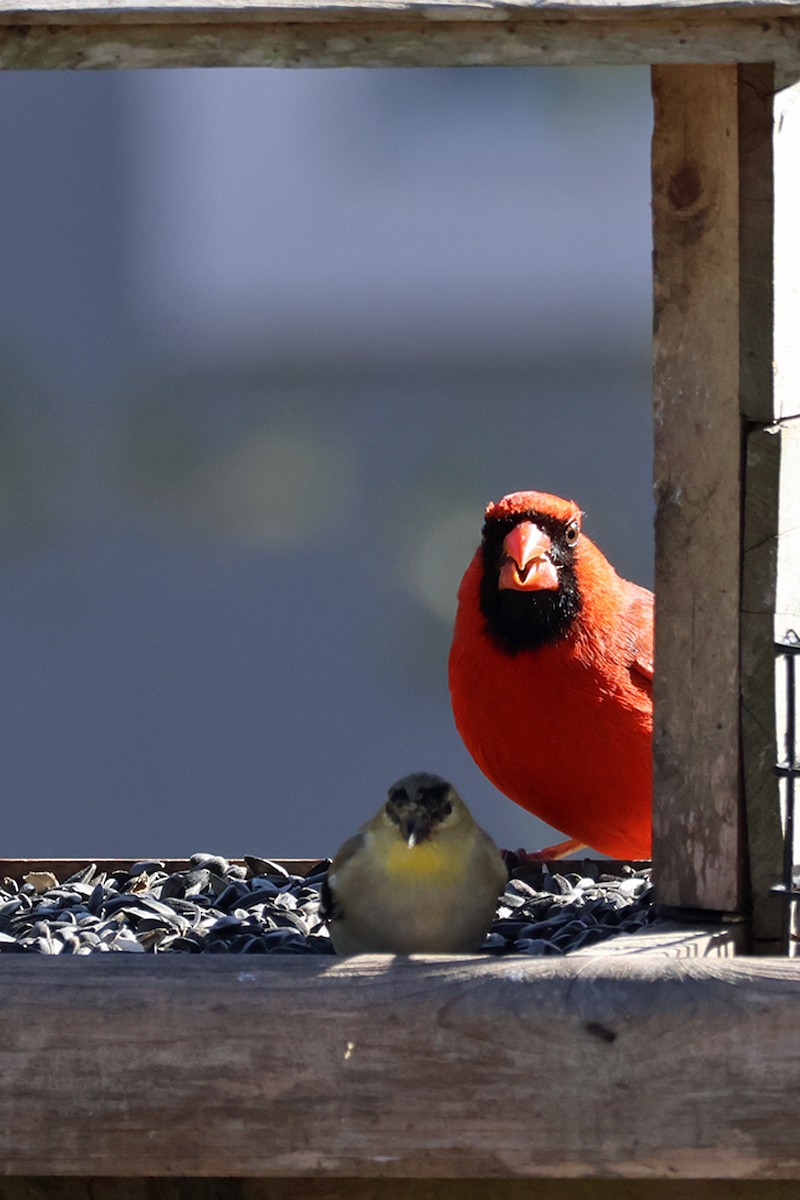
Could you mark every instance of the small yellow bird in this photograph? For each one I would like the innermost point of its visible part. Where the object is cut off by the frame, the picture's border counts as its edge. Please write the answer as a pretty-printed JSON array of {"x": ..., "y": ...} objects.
[{"x": 420, "y": 878}]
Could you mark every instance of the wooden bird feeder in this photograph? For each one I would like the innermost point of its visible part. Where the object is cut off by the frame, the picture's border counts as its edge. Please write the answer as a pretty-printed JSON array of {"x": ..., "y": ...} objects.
[{"x": 665, "y": 1067}]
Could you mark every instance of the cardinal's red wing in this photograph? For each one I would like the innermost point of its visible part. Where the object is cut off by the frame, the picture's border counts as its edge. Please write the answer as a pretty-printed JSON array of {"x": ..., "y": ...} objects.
[{"x": 640, "y": 631}]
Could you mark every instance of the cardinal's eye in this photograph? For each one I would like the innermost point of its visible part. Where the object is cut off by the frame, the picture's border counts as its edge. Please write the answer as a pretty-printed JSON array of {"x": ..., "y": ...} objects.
[{"x": 572, "y": 533}]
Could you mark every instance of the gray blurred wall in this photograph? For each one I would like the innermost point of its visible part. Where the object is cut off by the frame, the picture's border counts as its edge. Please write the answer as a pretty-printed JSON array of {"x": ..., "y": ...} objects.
[{"x": 270, "y": 340}]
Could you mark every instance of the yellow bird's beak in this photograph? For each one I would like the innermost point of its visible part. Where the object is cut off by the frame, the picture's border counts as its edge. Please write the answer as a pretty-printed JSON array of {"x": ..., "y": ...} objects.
[{"x": 415, "y": 827}]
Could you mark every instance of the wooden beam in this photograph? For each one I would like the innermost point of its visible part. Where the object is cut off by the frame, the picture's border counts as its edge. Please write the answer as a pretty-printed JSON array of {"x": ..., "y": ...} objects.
[
  {"x": 57, "y": 34},
  {"x": 634, "y": 1067},
  {"x": 280, "y": 11},
  {"x": 678, "y": 939},
  {"x": 771, "y": 408},
  {"x": 161, "y": 1188},
  {"x": 770, "y": 607},
  {"x": 620, "y": 12},
  {"x": 698, "y": 828}
]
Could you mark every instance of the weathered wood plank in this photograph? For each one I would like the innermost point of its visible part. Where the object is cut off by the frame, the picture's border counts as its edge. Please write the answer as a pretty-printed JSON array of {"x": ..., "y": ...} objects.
[
  {"x": 697, "y": 848},
  {"x": 756, "y": 235},
  {"x": 770, "y": 607},
  {"x": 464, "y": 1068},
  {"x": 677, "y": 939},
  {"x": 104, "y": 1188},
  {"x": 770, "y": 365},
  {"x": 785, "y": 392},
  {"x": 57, "y": 34},
  {"x": 194, "y": 11},
  {"x": 770, "y": 243}
]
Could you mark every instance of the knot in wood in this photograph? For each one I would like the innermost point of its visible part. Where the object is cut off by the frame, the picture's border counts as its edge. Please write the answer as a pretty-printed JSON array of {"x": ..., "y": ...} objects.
[
  {"x": 685, "y": 188},
  {"x": 601, "y": 1032}
]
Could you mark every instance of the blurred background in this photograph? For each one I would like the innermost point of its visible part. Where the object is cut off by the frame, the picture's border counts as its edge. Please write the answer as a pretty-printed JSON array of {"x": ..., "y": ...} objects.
[{"x": 269, "y": 342}]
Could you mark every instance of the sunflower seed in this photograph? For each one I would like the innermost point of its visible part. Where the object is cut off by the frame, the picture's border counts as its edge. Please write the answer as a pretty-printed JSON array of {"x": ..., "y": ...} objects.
[{"x": 218, "y": 907}]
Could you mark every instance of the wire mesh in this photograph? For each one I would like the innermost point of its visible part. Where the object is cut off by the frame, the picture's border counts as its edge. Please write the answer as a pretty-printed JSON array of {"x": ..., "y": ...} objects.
[{"x": 787, "y": 650}]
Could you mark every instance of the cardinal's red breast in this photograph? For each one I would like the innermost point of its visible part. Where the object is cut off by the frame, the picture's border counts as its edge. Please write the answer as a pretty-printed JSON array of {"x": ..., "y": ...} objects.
[{"x": 562, "y": 722}]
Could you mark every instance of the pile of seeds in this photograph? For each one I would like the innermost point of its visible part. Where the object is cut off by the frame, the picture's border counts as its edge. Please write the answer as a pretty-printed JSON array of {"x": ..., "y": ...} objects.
[
  {"x": 214, "y": 906},
  {"x": 543, "y": 912},
  {"x": 218, "y": 907}
]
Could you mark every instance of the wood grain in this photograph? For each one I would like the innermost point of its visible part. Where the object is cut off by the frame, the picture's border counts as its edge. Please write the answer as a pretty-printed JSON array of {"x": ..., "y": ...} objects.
[
  {"x": 105, "y": 1188},
  {"x": 769, "y": 142},
  {"x": 697, "y": 847},
  {"x": 785, "y": 392},
  {"x": 770, "y": 395},
  {"x": 674, "y": 938},
  {"x": 67, "y": 34},
  {"x": 770, "y": 607},
  {"x": 463, "y": 1068},
  {"x": 280, "y": 11}
]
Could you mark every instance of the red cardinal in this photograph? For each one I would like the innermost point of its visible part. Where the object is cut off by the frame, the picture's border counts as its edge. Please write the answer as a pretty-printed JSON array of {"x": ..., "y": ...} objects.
[{"x": 551, "y": 672}]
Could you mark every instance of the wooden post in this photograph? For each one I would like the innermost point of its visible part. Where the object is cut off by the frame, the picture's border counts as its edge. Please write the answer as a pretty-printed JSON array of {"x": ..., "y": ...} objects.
[
  {"x": 698, "y": 827},
  {"x": 727, "y": 383},
  {"x": 771, "y": 408}
]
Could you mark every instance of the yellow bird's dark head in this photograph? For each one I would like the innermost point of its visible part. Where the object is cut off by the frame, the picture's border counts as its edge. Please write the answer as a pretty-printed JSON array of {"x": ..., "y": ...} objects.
[{"x": 420, "y": 804}]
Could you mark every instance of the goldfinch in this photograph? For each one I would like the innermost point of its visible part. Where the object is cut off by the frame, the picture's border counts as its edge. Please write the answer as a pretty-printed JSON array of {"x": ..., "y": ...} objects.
[{"x": 421, "y": 877}]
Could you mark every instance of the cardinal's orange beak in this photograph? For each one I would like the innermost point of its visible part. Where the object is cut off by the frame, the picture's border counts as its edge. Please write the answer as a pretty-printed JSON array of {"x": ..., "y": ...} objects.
[{"x": 527, "y": 565}]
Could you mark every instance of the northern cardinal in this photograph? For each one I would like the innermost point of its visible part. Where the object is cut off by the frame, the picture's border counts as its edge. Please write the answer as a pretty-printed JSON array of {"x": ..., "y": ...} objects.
[
  {"x": 551, "y": 670},
  {"x": 420, "y": 877}
]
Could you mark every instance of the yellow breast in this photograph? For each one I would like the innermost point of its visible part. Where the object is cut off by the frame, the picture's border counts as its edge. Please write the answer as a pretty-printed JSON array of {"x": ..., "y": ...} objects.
[{"x": 427, "y": 860}]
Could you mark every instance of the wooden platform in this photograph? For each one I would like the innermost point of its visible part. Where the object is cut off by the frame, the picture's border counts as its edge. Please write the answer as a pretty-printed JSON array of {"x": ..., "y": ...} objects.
[
  {"x": 56, "y": 34},
  {"x": 667, "y": 1068},
  {"x": 459, "y": 1067},
  {"x": 623, "y": 1066}
]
